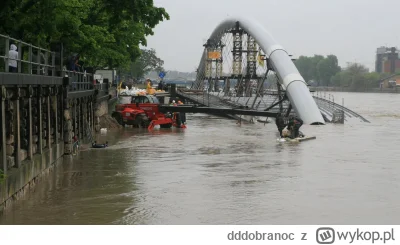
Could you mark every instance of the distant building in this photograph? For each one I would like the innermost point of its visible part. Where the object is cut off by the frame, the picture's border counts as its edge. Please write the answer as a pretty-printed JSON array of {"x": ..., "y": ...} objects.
[{"x": 387, "y": 60}]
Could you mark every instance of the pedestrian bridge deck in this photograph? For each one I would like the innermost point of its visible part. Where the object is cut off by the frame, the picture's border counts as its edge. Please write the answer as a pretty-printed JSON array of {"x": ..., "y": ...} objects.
[{"x": 218, "y": 100}]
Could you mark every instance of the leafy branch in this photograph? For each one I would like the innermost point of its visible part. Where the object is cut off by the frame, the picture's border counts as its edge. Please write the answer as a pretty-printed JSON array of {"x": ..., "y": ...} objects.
[{"x": 106, "y": 33}]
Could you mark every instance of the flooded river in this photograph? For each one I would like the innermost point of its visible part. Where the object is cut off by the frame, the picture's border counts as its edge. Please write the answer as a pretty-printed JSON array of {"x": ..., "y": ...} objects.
[{"x": 217, "y": 172}]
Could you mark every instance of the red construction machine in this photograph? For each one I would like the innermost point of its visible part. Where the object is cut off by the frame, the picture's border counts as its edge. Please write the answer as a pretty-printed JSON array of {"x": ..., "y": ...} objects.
[{"x": 143, "y": 111}]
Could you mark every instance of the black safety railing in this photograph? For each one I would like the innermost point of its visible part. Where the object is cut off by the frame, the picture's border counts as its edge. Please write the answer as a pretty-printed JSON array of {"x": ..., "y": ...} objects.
[
  {"x": 80, "y": 80},
  {"x": 31, "y": 59},
  {"x": 39, "y": 61}
]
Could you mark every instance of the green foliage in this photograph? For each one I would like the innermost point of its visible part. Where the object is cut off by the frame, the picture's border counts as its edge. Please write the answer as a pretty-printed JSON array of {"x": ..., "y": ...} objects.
[
  {"x": 318, "y": 68},
  {"x": 327, "y": 68},
  {"x": 304, "y": 65},
  {"x": 357, "y": 78},
  {"x": 106, "y": 33},
  {"x": 147, "y": 62},
  {"x": 325, "y": 71}
]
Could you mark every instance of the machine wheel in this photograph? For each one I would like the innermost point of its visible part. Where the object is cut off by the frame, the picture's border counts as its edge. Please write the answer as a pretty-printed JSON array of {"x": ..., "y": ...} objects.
[
  {"x": 143, "y": 120},
  {"x": 169, "y": 125},
  {"x": 137, "y": 122},
  {"x": 178, "y": 120}
]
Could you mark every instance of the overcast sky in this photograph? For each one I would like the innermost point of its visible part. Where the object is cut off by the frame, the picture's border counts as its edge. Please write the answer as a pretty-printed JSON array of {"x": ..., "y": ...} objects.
[{"x": 350, "y": 29}]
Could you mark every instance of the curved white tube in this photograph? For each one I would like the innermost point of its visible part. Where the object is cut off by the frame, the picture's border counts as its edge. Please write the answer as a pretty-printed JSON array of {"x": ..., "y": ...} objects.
[{"x": 296, "y": 89}]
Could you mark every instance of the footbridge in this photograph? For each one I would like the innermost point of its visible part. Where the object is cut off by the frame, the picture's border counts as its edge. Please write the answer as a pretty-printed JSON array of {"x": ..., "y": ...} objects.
[{"x": 243, "y": 68}]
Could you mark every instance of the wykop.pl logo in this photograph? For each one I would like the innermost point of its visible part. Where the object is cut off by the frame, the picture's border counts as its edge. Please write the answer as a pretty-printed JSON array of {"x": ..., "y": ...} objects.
[{"x": 325, "y": 235}]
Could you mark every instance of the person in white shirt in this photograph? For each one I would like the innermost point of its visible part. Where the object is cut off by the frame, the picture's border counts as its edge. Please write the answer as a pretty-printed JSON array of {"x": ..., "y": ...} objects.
[{"x": 12, "y": 59}]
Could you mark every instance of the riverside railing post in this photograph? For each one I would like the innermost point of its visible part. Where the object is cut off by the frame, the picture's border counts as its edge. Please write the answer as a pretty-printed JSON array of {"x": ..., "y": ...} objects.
[
  {"x": 6, "y": 54},
  {"x": 82, "y": 121},
  {"x": 40, "y": 119},
  {"x": 62, "y": 107},
  {"x": 38, "y": 62},
  {"x": 56, "y": 115},
  {"x": 30, "y": 137},
  {"x": 17, "y": 128},
  {"x": 53, "y": 63},
  {"x": 19, "y": 57},
  {"x": 67, "y": 117},
  {"x": 30, "y": 59},
  {"x": 46, "y": 63},
  {"x": 74, "y": 119},
  {"x": 88, "y": 112},
  {"x": 48, "y": 118},
  {"x": 78, "y": 119},
  {"x": 3, "y": 130},
  {"x": 91, "y": 115}
]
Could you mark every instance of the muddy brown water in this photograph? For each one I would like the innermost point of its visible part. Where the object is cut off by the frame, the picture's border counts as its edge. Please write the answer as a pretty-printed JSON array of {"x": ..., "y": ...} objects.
[{"x": 216, "y": 172}]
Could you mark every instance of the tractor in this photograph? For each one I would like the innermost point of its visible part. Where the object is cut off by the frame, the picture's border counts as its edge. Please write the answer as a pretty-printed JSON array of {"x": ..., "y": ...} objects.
[{"x": 143, "y": 111}]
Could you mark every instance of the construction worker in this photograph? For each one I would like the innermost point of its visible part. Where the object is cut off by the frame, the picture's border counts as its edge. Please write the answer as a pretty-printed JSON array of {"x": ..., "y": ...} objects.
[
  {"x": 294, "y": 125},
  {"x": 182, "y": 115},
  {"x": 280, "y": 124}
]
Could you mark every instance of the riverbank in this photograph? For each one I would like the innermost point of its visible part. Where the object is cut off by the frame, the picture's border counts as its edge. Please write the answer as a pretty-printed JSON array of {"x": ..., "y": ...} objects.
[
  {"x": 364, "y": 90},
  {"x": 19, "y": 181},
  {"x": 108, "y": 122}
]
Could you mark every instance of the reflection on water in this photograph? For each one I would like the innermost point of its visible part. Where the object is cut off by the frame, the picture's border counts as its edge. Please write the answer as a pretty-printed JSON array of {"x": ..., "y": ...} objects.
[{"x": 216, "y": 172}]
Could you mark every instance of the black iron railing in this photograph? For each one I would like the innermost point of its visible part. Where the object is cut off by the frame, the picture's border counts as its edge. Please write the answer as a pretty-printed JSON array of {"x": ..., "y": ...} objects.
[{"x": 31, "y": 59}]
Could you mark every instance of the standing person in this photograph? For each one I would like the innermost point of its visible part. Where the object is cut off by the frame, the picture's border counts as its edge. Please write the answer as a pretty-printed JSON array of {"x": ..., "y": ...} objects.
[
  {"x": 12, "y": 59},
  {"x": 182, "y": 115},
  {"x": 280, "y": 124},
  {"x": 294, "y": 124},
  {"x": 160, "y": 86},
  {"x": 74, "y": 63}
]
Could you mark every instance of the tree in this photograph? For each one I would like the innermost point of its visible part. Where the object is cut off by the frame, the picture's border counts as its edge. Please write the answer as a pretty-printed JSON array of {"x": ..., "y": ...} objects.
[
  {"x": 372, "y": 79},
  {"x": 327, "y": 68},
  {"x": 337, "y": 79},
  {"x": 106, "y": 33},
  {"x": 354, "y": 77},
  {"x": 308, "y": 67},
  {"x": 304, "y": 65},
  {"x": 313, "y": 69},
  {"x": 148, "y": 61}
]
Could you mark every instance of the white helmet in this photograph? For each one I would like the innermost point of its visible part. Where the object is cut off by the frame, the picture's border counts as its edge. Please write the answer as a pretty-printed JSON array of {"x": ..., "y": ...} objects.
[{"x": 173, "y": 101}]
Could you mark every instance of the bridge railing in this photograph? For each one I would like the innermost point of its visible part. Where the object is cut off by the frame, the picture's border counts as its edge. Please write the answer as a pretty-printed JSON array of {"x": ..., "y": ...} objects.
[
  {"x": 31, "y": 59},
  {"x": 80, "y": 80},
  {"x": 34, "y": 60}
]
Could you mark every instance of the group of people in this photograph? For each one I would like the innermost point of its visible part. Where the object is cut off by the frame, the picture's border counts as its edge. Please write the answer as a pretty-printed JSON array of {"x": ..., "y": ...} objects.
[
  {"x": 73, "y": 64},
  {"x": 293, "y": 126}
]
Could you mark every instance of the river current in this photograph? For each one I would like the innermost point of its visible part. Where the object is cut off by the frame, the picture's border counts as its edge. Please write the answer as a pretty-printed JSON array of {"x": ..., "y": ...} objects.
[{"x": 219, "y": 172}]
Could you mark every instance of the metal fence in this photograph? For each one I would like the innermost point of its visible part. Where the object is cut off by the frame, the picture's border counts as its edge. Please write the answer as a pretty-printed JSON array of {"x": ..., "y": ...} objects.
[
  {"x": 39, "y": 61},
  {"x": 31, "y": 59},
  {"x": 80, "y": 80},
  {"x": 338, "y": 116}
]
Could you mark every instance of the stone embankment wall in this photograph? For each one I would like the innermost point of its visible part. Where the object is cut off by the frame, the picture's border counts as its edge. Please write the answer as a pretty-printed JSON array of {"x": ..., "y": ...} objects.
[{"x": 38, "y": 126}]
